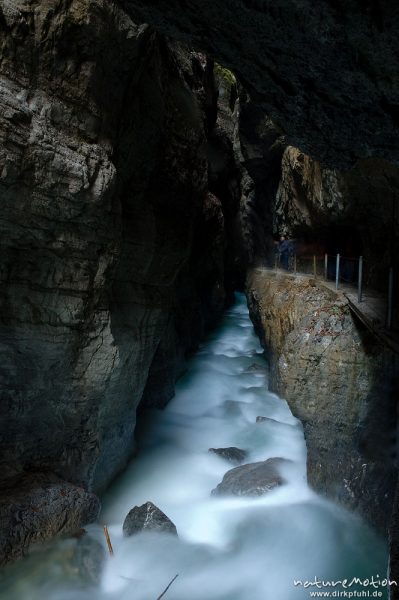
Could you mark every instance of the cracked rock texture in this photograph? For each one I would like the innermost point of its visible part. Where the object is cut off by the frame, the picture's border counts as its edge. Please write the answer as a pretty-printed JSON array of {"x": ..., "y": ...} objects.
[
  {"x": 338, "y": 382},
  {"x": 244, "y": 151},
  {"x": 231, "y": 454},
  {"x": 325, "y": 72},
  {"x": 112, "y": 247},
  {"x": 147, "y": 517},
  {"x": 252, "y": 479},
  {"x": 355, "y": 211},
  {"x": 259, "y": 147},
  {"x": 43, "y": 506}
]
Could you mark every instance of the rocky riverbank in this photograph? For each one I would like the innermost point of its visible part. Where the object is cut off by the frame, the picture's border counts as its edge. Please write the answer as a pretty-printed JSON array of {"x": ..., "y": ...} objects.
[{"x": 338, "y": 381}]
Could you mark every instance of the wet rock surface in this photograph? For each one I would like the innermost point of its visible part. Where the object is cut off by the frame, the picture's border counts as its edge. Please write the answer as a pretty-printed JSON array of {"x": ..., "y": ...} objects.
[
  {"x": 67, "y": 561},
  {"x": 147, "y": 517},
  {"x": 39, "y": 508},
  {"x": 259, "y": 145},
  {"x": 254, "y": 479},
  {"x": 255, "y": 368},
  {"x": 88, "y": 558},
  {"x": 338, "y": 381},
  {"x": 112, "y": 248},
  {"x": 261, "y": 419},
  {"x": 232, "y": 454},
  {"x": 347, "y": 211}
]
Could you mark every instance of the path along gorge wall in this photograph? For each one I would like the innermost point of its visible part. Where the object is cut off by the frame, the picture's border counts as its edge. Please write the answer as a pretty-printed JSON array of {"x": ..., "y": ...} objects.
[{"x": 338, "y": 381}]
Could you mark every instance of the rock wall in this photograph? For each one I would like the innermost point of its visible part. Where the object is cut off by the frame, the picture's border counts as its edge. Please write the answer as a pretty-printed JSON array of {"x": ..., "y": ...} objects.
[
  {"x": 308, "y": 196},
  {"x": 339, "y": 382},
  {"x": 224, "y": 175},
  {"x": 354, "y": 212},
  {"x": 112, "y": 247},
  {"x": 259, "y": 147},
  {"x": 244, "y": 153}
]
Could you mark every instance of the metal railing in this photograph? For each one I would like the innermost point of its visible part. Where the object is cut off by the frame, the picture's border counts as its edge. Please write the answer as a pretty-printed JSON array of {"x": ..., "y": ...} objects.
[{"x": 341, "y": 270}]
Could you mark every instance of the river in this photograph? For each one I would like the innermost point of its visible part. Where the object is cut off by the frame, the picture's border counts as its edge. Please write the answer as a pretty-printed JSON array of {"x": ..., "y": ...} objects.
[{"x": 228, "y": 548}]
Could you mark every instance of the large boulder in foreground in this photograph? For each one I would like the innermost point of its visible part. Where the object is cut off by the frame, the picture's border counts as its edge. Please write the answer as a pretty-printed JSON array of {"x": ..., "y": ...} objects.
[
  {"x": 254, "y": 479},
  {"x": 77, "y": 562},
  {"x": 147, "y": 517},
  {"x": 42, "y": 506},
  {"x": 232, "y": 454}
]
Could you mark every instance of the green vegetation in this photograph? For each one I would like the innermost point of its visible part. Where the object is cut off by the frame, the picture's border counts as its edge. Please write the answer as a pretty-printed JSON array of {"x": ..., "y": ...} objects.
[
  {"x": 224, "y": 76},
  {"x": 227, "y": 80}
]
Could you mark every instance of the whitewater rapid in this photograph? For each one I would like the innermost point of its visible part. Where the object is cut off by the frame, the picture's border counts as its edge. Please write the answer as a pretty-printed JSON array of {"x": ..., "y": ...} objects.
[{"x": 228, "y": 548}]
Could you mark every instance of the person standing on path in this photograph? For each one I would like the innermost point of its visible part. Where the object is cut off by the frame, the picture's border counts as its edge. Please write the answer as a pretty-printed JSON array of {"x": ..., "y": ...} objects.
[{"x": 284, "y": 251}]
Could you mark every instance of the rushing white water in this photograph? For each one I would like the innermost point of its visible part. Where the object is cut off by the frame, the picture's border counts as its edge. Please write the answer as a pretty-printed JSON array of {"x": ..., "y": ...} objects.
[{"x": 228, "y": 548}]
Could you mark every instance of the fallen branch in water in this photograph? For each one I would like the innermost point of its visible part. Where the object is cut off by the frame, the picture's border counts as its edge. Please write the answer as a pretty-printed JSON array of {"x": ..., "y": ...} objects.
[
  {"x": 111, "y": 550},
  {"x": 167, "y": 587}
]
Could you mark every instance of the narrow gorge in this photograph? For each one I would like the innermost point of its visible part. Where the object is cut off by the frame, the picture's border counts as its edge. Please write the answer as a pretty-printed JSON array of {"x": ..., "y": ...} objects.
[{"x": 152, "y": 155}]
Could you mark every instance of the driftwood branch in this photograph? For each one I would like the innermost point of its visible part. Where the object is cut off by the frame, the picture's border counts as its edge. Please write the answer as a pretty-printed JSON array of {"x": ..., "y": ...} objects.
[
  {"x": 167, "y": 587},
  {"x": 110, "y": 549}
]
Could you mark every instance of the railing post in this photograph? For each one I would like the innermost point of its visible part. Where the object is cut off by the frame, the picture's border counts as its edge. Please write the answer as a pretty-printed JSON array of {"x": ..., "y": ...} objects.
[
  {"x": 360, "y": 280},
  {"x": 390, "y": 298},
  {"x": 314, "y": 267},
  {"x": 337, "y": 271},
  {"x": 295, "y": 264},
  {"x": 326, "y": 267}
]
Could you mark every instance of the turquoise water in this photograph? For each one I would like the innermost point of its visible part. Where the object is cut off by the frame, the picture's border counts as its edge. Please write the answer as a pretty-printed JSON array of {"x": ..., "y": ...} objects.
[{"x": 228, "y": 548}]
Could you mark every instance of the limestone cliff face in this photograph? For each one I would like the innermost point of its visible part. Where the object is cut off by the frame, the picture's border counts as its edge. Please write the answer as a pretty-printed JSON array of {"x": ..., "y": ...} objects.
[
  {"x": 112, "y": 249},
  {"x": 355, "y": 211},
  {"x": 259, "y": 147},
  {"x": 338, "y": 382},
  {"x": 308, "y": 195},
  {"x": 244, "y": 151},
  {"x": 223, "y": 173}
]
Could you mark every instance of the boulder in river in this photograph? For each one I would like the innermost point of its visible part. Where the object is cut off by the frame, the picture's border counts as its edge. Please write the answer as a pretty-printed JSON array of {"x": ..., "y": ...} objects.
[
  {"x": 38, "y": 508},
  {"x": 88, "y": 559},
  {"x": 147, "y": 517},
  {"x": 264, "y": 419},
  {"x": 255, "y": 368},
  {"x": 253, "y": 479},
  {"x": 232, "y": 454}
]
